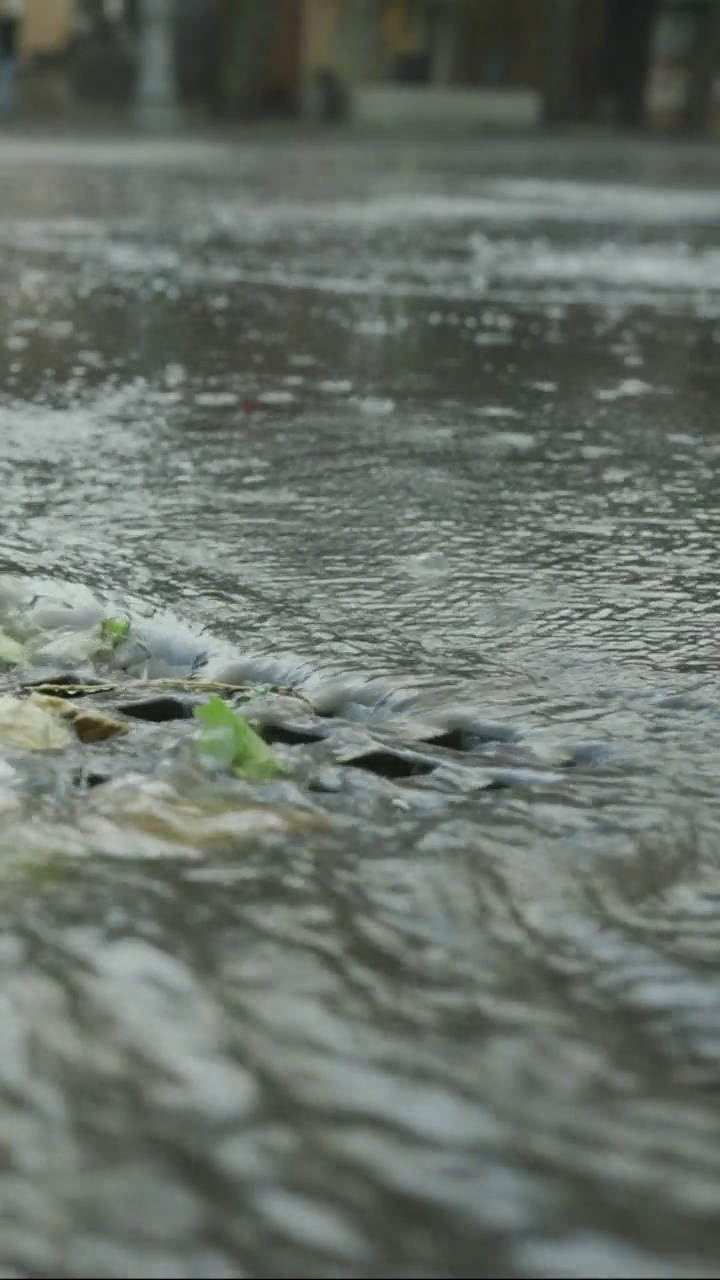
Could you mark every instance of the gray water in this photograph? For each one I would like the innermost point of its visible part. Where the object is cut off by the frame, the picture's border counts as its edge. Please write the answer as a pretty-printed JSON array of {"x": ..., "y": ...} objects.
[{"x": 429, "y": 433}]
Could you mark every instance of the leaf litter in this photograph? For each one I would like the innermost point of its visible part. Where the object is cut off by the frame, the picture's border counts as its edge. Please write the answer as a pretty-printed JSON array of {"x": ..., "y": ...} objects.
[{"x": 55, "y": 679}]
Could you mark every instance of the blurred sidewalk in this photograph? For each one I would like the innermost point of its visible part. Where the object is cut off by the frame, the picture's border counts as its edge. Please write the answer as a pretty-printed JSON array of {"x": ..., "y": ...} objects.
[{"x": 111, "y": 138}]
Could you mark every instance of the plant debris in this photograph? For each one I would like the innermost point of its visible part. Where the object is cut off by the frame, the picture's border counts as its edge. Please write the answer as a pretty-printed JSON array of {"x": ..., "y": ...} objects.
[{"x": 229, "y": 739}]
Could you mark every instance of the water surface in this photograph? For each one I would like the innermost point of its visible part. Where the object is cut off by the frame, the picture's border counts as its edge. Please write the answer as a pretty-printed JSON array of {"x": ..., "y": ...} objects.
[{"x": 429, "y": 433}]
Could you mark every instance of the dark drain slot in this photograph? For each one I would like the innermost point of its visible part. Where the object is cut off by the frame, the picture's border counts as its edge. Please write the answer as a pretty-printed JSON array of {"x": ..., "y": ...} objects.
[
  {"x": 469, "y": 738},
  {"x": 290, "y": 735},
  {"x": 389, "y": 764},
  {"x": 159, "y": 710}
]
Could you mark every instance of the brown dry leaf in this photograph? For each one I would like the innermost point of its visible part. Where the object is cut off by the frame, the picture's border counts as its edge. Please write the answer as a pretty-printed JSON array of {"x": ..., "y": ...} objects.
[{"x": 89, "y": 725}]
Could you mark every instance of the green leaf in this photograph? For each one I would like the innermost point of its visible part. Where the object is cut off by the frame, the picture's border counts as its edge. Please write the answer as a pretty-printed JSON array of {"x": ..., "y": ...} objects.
[
  {"x": 232, "y": 742},
  {"x": 114, "y": 630}
]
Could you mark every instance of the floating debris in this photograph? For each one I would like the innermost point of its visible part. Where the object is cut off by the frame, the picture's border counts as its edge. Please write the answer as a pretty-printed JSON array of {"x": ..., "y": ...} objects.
[
  {"x": 89, "y": 724},
  {"x": 27, "y": 725},
  {"x": 229, "y": 740}
]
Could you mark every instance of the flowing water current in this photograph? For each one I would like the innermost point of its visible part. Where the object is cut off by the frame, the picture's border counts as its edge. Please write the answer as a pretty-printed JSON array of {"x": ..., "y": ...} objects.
[{"x": 428, "y": 437}]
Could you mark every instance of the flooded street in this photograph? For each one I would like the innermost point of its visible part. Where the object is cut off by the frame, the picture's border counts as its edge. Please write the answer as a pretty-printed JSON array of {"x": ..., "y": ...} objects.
[{"x": 426, "y": 434}]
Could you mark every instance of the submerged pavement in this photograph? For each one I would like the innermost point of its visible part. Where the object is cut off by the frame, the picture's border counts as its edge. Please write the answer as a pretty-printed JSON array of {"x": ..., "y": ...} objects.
[{"x": 422, "y": 436}]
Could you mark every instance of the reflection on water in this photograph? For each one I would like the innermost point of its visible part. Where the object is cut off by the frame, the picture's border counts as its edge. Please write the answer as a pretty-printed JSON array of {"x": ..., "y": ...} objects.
[{"x": 446, "y": 449}]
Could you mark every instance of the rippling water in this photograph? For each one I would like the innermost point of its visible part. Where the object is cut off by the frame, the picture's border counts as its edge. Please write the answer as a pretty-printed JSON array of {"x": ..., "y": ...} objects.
[{"x": 428, "y": 439}]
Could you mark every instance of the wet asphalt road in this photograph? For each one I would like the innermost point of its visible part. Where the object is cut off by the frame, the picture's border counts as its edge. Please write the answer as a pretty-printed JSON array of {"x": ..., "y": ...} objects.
[{"x": 428, "y": 432}]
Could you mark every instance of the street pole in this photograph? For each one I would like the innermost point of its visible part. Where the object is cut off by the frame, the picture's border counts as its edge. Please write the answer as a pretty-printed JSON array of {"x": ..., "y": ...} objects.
[{"x": 156, "y": 95}]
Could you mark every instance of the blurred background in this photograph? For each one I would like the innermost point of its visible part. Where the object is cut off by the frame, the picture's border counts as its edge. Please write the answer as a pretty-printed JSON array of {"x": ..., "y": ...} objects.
[{"x": 651, "y": 64}]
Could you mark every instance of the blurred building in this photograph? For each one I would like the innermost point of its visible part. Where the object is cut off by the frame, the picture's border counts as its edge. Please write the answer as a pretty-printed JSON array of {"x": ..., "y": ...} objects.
[
  {"x": 426, "y": 61},
  {"x": 643, "y": 63},
  {"x": 46, "y": 27},
  {"x": 422, "y": 63},
  {"x": 631, "y": 62},
  {"x": 683, "y": 87}
]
